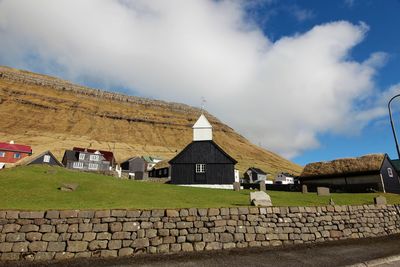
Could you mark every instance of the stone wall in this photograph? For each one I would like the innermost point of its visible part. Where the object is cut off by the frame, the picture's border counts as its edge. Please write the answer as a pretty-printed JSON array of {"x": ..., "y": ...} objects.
[{"x": 45, "y": 235}]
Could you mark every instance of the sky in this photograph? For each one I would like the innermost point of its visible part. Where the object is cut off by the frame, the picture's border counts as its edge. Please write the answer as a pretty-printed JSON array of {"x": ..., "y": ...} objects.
[{"x": 309, "y": 80}]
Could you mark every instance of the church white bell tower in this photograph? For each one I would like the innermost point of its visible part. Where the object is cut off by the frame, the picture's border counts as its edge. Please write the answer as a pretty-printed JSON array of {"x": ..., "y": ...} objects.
[{"x": 202, "y": 129}]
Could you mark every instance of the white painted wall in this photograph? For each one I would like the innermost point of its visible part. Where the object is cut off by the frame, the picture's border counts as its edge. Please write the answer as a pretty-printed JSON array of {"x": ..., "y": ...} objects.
[
  {"x": 213, "y": 186},
  {"x": 203, "y": 134},
  {"x": 237, "y": 178}
]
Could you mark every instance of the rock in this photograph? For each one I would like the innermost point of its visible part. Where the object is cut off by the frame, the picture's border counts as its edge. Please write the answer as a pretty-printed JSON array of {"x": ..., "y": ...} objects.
[
  {"x": 323, "y": 191},
  {"x": 260, "y": 198},
  {"x": 262, "y": 186},
  {"x": 69, "y": 187},
  {"x": 125, "y": 252},
  {"x": 77, "y": 246},
  {"x": 236, "y": 186},
  {"x": 56, "y": 246},
  {"x": 304, "y": 189},
  {"x": 380, "y": 200}
]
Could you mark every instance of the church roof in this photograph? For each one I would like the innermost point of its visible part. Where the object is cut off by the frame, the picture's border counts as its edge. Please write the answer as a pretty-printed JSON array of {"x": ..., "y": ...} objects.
[{"x": 202, "y": 122}]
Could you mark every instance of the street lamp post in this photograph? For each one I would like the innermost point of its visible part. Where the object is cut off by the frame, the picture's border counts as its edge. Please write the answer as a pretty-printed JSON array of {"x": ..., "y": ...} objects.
[{"x": 391, "y": 123}]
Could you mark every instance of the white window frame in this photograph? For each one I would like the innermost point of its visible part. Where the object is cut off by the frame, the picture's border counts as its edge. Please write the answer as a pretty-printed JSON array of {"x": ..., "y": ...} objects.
[
  {"x": 77, "y": 165},
  {"x": 17, "y": 154},
  {"x": 2, "y": 154},
  {"x": 94, "y": 157},
  {"x": 46, "y": 158},
  {"x": 390, "y": 172},
  {"x": 93, "y": 166},
  {"x": 81, "y": 156},
  {"x": 200, "y": 168}
]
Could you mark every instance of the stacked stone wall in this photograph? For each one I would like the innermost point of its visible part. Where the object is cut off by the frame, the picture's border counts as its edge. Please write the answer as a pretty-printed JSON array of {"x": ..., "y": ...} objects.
[{"x": 65, "y": 234}]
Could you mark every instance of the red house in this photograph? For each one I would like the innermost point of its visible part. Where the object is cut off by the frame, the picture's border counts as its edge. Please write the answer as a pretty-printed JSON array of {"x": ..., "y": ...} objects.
[{"x": 11, "y": 153}]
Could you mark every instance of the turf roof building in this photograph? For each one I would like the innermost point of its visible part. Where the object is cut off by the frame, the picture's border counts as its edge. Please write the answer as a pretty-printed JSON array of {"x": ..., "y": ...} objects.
[
  {"x": 160, "y": 170},
  {"x": 202, "y": 161},
  {"x": 373, "y": 172},
  {"x": 45, "y": 157}
]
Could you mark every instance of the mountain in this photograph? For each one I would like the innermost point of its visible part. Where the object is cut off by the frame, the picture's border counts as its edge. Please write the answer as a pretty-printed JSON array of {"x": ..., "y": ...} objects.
[{"x": 50, "y": 113}]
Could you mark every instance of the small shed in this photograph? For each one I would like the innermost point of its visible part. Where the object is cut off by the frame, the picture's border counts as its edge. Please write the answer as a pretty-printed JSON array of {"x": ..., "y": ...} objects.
[
  {"x": 45, "y": 157},
  {"x": 374, "y": 172},
  {"x": 136, "y": 167}
]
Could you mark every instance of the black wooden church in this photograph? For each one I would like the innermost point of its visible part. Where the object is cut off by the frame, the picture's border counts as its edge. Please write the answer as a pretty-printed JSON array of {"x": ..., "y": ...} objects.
[{"x": 202, "y": 161}]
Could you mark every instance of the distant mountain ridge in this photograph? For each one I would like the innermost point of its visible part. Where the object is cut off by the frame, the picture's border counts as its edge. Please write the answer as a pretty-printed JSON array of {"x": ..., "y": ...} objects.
[{"x": 51, "y": 113}]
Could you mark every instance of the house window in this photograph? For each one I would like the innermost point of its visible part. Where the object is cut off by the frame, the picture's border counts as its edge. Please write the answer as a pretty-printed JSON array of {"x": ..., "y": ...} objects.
[
  {"x": 77, "y": 165},
  {"x": 200, "y": 168},
  {"x": 2, "y": 154},
  {"x": 94, "y": 157},
  {"x": 46, "y": 158},
  {"x": 93, "y": 166},
  {"x": 81, "y": 156},
  {"x": 17, "y": 155},
  {"x": 390, "y": 172},
  {"x": 165, "y": 171}
]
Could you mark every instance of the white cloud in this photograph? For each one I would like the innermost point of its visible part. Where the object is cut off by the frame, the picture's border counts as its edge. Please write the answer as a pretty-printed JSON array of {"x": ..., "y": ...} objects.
[
  {"x": 282, "y": 94},
  {"x": 301, "y": 14}
]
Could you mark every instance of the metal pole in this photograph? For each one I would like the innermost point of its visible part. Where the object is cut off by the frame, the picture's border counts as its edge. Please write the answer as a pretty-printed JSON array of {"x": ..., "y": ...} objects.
[{"x": 391, "y": 123}]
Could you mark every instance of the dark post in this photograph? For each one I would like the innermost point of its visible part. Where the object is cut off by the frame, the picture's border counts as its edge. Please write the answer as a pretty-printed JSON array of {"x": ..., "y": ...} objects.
[{"x": 391, "y": 123}]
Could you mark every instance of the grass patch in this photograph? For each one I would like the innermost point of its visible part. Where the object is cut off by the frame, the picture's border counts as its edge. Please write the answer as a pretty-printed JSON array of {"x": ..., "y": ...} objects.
[{"x": 36, "y": 188}]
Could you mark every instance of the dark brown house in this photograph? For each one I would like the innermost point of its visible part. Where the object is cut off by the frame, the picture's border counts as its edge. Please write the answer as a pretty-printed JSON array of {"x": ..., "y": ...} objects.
[
  {"x": 368, "y": 173},
  {"x": 202, "y": 161},
  {"x": 160, "y": 170}
]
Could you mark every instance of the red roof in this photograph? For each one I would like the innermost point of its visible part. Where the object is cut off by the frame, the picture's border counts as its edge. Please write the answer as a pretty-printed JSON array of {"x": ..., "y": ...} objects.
[
  {"x": 108, "y": 155},
  {"x": 15, "y": 147}
]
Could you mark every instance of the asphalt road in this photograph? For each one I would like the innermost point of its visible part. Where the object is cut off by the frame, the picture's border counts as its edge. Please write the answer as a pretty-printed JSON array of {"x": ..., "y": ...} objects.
[{"x": 336, "y": 253}]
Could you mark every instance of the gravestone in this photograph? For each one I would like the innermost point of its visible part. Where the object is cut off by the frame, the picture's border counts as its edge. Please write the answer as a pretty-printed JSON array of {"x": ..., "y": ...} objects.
[
  {"x": 323, "y": 191},
  {"x": 380, "y": 200},
  {"x": 236, "y": 186},
  {"x": 262, "y": 186},
  {"x": 304, "y": 189},
  {"x": 68, "y": 187},
  {"x": 260, "y": 198}
]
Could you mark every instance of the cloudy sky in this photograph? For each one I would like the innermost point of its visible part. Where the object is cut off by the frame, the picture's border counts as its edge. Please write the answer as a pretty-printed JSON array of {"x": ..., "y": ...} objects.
[{"x": 307, "y": 79}]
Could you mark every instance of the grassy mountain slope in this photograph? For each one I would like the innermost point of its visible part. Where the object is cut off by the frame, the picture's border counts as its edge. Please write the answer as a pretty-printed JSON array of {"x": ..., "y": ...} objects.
[{"x": 50, "y": 113}]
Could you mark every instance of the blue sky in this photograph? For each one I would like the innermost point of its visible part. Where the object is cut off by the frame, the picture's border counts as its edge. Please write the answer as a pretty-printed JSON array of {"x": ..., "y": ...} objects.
[
  {"x": 382, "y": 17},
  {"x": 306, "y": 79}
]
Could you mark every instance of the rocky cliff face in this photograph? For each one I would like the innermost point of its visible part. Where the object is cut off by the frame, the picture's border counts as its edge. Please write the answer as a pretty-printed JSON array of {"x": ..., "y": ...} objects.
[{"x": 51, "y": 113}]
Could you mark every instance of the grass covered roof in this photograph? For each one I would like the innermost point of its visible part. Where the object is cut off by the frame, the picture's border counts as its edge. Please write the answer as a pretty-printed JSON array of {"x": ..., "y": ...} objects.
[{"x": 367, "y": 163}]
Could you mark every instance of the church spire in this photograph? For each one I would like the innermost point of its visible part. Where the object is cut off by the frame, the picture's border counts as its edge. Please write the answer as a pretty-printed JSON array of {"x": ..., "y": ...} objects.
[{"x": 202, "y": 129}]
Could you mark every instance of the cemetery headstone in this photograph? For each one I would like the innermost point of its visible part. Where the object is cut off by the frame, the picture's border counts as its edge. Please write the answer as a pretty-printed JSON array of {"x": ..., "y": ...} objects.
[{"x": 323, "y": 191}]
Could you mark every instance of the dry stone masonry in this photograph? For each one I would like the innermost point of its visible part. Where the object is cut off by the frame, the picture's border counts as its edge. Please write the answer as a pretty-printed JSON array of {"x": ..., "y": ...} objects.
[{"x": 46, "y": 235}]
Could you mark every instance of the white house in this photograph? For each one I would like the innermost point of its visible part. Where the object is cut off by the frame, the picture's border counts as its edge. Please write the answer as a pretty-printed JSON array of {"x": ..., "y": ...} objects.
[{"x": 284, "y": 178}]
